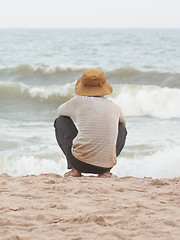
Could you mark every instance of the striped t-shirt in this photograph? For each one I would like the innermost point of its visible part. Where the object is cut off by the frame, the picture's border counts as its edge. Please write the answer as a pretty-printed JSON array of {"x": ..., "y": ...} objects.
[{"x": 97, "y": 120}]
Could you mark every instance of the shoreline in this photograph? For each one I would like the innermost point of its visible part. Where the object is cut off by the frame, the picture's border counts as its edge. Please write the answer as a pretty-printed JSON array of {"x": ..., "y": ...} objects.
[{"x": 49, "y": 206}]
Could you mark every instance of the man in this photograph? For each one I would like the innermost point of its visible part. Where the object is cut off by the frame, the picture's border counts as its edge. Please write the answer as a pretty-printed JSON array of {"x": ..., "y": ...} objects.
[{"x": 100, "y": 135}]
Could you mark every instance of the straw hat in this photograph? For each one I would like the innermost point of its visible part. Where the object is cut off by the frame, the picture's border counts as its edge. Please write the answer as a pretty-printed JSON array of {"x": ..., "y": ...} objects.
[{"x": 93, "y": 83}]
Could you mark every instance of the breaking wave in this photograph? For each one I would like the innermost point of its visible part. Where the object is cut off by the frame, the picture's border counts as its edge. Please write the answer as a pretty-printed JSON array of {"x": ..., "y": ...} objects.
[
  {"x": 162, "y": 164},
  {"x": 61, "y": 74},
  {"x": 40, "y": 93},
  {"x": 150, "y": 101},
  {"x": 156, "y": 166},
  {"x": 134, "y": 100}
]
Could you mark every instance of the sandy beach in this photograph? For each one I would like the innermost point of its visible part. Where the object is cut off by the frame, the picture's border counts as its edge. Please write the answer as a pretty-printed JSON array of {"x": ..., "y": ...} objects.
[{"x": 50, "y": 206}]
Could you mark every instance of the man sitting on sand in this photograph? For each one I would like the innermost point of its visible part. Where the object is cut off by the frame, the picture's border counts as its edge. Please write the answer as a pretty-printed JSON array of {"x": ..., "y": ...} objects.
[{"x": 100, "y": 135}]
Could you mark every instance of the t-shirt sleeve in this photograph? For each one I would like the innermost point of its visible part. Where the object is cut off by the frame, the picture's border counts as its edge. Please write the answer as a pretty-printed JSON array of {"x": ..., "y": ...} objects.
[{"x": 67, "y": 108}]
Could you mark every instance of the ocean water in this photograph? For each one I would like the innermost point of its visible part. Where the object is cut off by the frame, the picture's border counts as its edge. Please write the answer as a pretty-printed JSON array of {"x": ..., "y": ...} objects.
[{"x": 38, "y": 71}]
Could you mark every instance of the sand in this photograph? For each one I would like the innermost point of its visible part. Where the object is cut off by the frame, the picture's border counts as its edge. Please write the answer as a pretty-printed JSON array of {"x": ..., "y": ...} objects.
[{"x": 49, "y": 207}]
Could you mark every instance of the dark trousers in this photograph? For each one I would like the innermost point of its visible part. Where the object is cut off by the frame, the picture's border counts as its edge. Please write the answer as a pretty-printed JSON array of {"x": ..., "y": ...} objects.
[{"x": 66, "y": 131}]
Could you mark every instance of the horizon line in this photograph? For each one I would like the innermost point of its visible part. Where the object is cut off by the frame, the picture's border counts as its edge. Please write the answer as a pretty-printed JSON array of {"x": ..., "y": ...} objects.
[{"x": 89, "y": 27}]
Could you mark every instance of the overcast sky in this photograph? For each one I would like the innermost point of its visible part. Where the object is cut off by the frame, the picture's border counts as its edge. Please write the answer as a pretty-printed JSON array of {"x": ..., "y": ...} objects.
[{"x": 90, "y": 13}]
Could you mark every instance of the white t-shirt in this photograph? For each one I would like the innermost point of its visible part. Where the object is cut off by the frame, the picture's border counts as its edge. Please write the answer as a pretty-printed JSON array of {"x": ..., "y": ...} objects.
[{"x": 97, "y": 120}]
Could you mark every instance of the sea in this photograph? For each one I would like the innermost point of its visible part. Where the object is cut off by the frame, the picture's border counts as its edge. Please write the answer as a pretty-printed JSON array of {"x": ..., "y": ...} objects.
[{"x": 38, "y": 71}]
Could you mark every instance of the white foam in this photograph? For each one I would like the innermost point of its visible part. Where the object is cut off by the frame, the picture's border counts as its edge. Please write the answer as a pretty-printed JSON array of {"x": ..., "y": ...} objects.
[
  {"x": 42, "y": 92},
  {"x": 152, "y": 101},
  {"x": 27, "y": 165},
  {"x": 163, "y": 164},
  {"x": 50, "y": 91},
  {"x": 44, "y": 69}
]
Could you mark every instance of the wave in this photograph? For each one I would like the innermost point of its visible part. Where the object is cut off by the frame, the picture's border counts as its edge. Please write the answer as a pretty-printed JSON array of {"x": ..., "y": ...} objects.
[
  {"x": 42, "y": 74},
  {"x": 134, "y": 100},
  {"x": 24, "y": 92},
  {"x": 61, "y": 74},
  {"x": 22, "y": 165},
  {"x": 150, "y": 101},
  {"x": 21, "y": 99},
  {"x": 43, "y": 69},
  {"x": 162, "y": 164},
  {"x": 134, "y": 76}
]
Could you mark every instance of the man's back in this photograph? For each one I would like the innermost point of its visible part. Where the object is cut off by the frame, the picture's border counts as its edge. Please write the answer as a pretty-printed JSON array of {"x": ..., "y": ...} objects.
[{"x": 97, "y": 121}]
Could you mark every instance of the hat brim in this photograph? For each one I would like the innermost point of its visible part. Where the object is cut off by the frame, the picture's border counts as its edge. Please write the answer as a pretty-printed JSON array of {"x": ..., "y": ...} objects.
[{"x": 82, "y": 90}]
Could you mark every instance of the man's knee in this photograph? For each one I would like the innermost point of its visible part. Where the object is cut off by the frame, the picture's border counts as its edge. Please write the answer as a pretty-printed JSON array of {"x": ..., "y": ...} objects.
[
  {"x": 62, "y": 121},
  {"x": 122, "y": 133},
  {"x": 65, "y": 127}
]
